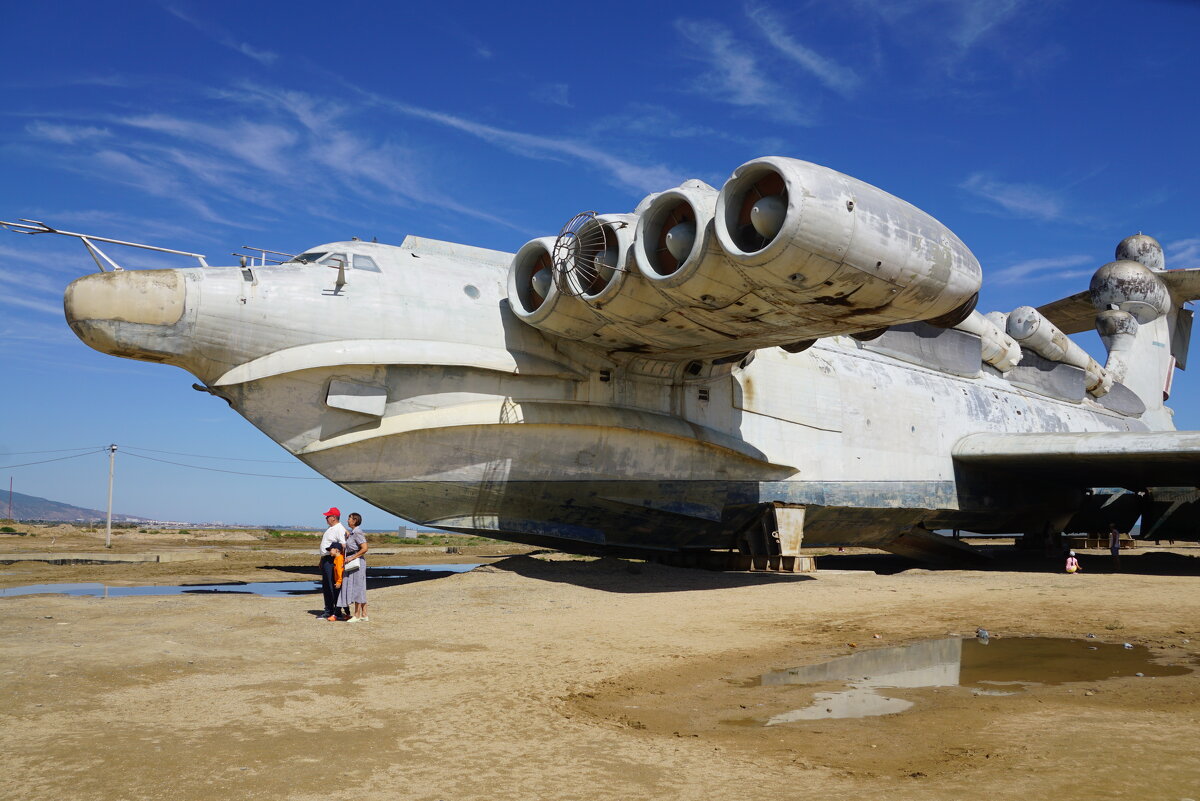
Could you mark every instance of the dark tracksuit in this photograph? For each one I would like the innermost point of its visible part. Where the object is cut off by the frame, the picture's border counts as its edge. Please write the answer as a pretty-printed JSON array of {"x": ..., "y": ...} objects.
[{"x": 327, "y": 589}]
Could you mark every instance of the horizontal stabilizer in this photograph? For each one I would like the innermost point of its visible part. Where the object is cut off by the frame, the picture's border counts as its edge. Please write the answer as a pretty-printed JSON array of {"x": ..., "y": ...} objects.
[
  {"x": 1184, "y": 284},
  {"x": 1076, "y": 313},
  {"x": 1133, "y": 460},
  {"x": 1071, "y": 314}
]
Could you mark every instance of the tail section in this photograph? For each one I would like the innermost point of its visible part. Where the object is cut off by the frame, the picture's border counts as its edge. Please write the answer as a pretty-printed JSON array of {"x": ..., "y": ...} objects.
[{"x": 1138, "y": 309}]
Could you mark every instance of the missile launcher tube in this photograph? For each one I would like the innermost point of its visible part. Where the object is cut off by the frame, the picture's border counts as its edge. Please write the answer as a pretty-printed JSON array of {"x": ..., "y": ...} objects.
[{"x": 1028, "y": 327}]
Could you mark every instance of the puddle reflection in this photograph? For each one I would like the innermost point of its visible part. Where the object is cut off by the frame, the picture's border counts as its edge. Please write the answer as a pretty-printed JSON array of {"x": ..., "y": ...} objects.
[{"x": 984, "y": 664}]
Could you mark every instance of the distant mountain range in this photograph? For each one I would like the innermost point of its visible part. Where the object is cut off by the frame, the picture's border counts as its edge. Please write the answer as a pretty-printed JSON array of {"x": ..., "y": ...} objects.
[{"x": 30, "y": 507}]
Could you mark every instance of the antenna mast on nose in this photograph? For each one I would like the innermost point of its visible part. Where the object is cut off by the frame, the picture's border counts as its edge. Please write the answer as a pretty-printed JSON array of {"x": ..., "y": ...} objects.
[{"x": 33, "y": 227}]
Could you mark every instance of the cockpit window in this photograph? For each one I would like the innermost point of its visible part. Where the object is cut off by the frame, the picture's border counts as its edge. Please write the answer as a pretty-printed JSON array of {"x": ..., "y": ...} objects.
[{"x": 362, "y": 262}]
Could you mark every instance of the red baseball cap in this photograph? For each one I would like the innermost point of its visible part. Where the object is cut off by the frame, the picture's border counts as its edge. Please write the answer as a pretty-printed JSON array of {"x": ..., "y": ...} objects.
[{"x": 334, "y": 511}]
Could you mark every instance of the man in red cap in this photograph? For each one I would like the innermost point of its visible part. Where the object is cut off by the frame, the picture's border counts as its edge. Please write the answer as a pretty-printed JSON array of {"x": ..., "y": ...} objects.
[{"x": 335, "y": 534}]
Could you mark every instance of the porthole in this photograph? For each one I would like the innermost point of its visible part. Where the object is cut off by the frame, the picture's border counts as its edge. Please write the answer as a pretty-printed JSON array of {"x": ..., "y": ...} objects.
[{"x": 471, "y": 291}]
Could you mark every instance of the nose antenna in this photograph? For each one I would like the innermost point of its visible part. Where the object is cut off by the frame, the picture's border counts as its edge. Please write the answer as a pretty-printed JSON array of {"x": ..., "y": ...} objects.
[{"x": 33, "y": 227}]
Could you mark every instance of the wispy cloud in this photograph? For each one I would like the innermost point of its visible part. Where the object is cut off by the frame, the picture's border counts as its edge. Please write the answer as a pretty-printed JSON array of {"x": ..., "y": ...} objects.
[
  {"x": 65, "y": 134},
  {"x": 734, "y": 75},
  {"x": 950, "y": 39},
  {"x": 359, "y": 164},
  {"x": 258, "y": 144},
  {"x": 1020, "y": 200},
  {"x": 1045, "y": 269},
  {"x": 978, "y": 18},
  {"x": 28, "y": 288},
  {"x": 151, "y": 177},
  {"x": 274, "y": 146},
  {"x": 1183, "y": 253},
  {"x": 641, "y": 177},
  {"x": 965, "y": 23},
  {"x": 554, "y": 94},
  {"x": 646, "y": 120},
  {"x": 834, "y": 76},
  {"x": 223, "y": 37},
  {"x": 38, "y": 260}
]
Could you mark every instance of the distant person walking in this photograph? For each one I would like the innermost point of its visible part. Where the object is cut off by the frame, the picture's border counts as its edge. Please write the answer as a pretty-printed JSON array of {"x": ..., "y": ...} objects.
[
  {"x": 334, "y": 535},
  {"x": 354, "y": 584},
  {"x": 1114, "y": 545}
]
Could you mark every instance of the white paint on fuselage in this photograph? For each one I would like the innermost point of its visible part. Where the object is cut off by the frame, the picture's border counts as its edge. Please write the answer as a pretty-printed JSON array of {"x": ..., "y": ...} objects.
[{"x": 465, "y": 394}]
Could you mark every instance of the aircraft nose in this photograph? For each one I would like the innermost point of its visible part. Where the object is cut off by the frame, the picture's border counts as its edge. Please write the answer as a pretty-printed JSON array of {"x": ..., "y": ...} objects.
[{"x": 132, "y": 313}]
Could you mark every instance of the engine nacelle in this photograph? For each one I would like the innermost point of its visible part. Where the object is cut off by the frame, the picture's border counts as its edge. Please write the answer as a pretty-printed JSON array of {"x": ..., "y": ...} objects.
[
  {"x": 618, "y": 293},
  {"x": 535, "y": 294},
  {"x": 786, "y": 252},
  {"x": 676, "y": 249},
  {"x": 834, "y": 241}
]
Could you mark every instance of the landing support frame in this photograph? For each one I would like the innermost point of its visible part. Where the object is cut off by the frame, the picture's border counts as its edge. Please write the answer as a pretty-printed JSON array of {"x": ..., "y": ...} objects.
[{"x": 770, "y": 543}]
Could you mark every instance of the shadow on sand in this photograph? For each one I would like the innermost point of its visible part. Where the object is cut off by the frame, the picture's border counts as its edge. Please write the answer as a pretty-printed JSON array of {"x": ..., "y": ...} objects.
[
  {"x": 1006, "y": 558},
  {"x": 610, "y": 574}
]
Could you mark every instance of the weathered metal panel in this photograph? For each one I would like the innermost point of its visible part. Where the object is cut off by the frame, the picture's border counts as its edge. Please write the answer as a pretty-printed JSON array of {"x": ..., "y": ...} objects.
[
  {"x": 944, "y": 349},
  {"x": 354, "y": 396},
  {"x": 1052, "y": 379},
  {"x": 1122, "y": 400},
  {"x": 770, "y": 389},
  {"x": 1181, "y": 337}
]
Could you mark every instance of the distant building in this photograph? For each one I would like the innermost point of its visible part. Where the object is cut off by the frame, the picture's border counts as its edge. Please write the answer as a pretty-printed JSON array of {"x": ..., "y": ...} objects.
[{"x": 405, "y": 531}]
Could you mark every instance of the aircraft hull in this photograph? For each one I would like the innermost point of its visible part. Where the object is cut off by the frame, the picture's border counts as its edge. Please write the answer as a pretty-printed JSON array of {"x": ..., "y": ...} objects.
[{"x": 532, "y": 460}]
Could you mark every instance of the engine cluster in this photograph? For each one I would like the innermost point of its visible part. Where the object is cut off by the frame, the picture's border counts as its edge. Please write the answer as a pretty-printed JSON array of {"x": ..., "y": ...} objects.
[{"x": 785, "y": 253}]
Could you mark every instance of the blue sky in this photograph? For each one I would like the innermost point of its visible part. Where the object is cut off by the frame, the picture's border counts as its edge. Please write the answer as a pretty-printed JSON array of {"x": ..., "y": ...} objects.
[{"x": 1041, "y": 132}]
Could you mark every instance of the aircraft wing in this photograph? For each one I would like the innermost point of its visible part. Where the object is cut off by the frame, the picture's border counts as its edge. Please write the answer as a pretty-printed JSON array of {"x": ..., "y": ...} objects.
[
  {"x": 1076, "y": 313},
  {"x": 1133, "y": 460}
]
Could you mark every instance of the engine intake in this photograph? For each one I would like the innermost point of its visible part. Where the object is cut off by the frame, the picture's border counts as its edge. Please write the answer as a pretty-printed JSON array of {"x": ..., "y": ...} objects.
[
  {"x": 786, "y": 252},
  {"x": 809, "y": 230},
  {"x": 536, "y": 295}
]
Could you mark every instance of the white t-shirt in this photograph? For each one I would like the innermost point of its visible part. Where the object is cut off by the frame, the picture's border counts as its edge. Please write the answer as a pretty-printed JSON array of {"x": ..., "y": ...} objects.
[{"x": 335, "y": 533}]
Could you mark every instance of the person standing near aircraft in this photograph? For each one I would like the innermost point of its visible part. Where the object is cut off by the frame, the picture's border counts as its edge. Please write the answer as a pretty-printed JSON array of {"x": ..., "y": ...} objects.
[
  {"x": 1114, "y": 545},
  {"x": 354, "y": 584},
  {"x": 336, "y": 533}
]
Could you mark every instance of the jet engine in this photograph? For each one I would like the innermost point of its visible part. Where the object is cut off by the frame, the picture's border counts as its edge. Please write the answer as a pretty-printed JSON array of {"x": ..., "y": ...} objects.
[
  {"x": 537, "y": 297},
  {"x": 831, "y": 240},
  {"x": 786, "y": 252}
]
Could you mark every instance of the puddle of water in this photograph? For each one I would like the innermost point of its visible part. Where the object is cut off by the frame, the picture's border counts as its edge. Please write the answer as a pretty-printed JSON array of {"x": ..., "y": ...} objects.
[
  {"x": 856, "y": 703},
  {"x": 982, "y": 664},
  {"x": 394, "y": 574}
]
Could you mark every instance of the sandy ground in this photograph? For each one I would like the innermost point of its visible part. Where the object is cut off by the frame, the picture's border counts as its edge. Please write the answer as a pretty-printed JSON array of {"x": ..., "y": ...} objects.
[{"x": 572, "y": 679}]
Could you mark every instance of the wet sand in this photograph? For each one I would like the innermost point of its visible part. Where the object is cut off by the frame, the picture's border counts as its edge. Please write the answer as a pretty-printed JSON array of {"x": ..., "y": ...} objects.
[{"x": 575, "y": 679}]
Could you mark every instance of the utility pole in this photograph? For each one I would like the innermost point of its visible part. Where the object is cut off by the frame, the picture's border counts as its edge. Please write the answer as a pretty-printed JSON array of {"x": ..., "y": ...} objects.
[
  {"x": 112, "y": 457},
  {"x": 10, "y": 517}
]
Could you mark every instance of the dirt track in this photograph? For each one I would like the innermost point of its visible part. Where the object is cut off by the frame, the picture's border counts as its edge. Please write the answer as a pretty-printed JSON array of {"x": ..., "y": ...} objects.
[{"x": 586, "y": 680}]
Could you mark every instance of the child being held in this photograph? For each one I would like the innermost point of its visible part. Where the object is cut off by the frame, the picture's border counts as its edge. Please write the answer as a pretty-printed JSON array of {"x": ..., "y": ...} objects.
[{"x": 339, "y": 563}]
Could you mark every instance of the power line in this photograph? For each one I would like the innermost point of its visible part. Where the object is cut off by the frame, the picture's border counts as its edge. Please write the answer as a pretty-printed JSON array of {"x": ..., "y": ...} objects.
[
  {"x": 202, "y": 456},
  {"x": 219, "y": 470},
  {"x": 46, "y": 461},
  {"x": 60, "y": 450}
]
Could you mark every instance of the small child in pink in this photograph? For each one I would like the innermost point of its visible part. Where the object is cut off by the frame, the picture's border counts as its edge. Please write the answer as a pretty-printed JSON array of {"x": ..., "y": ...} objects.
[{"x": 1073, "y": 563}]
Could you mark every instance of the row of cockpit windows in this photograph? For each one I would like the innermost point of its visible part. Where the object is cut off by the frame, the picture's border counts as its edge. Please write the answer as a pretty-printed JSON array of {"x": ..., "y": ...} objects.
[{"x": 357, "y": 261}]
